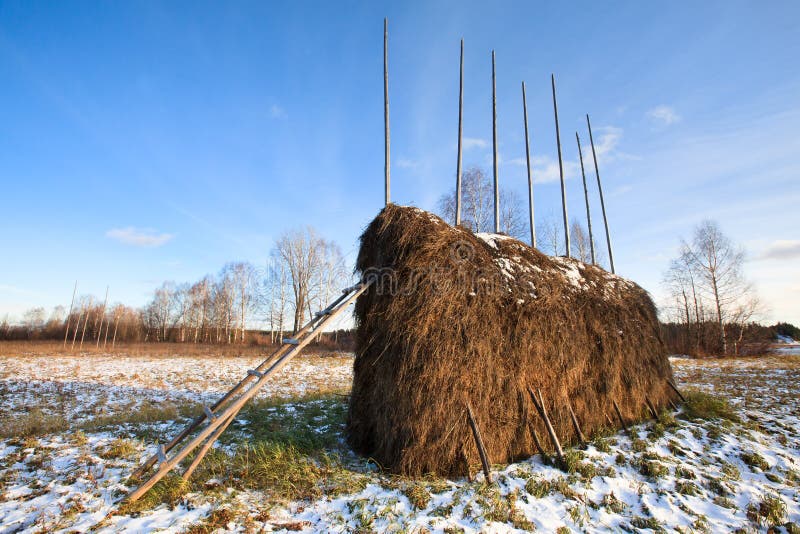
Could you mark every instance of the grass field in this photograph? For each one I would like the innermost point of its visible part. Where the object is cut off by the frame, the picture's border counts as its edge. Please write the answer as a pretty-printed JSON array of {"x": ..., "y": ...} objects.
[{"x": 72, "y": 427}]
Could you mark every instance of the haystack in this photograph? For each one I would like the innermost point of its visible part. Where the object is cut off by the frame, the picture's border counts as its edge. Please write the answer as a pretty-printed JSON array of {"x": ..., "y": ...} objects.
[{"x": 456, "y": 318}]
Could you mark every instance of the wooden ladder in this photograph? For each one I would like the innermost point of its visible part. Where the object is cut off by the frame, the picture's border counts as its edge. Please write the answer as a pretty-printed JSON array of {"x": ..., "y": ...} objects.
[{"x": 224, "y": 411}]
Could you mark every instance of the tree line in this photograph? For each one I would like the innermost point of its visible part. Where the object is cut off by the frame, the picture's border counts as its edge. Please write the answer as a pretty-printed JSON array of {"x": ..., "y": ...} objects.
[{"x": 303, "y": 274}]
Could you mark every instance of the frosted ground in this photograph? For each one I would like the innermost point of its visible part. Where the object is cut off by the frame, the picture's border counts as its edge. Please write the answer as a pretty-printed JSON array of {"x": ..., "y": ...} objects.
[{"x": 283, "y": 465}]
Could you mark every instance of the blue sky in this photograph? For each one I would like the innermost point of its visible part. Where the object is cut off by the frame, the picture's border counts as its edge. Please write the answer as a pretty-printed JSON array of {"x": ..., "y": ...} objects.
[{"x": 146, "y": 141}]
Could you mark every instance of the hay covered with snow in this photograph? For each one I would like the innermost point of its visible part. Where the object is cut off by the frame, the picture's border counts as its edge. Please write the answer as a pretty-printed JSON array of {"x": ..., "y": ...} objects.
[{"x": 455, "y": 317}]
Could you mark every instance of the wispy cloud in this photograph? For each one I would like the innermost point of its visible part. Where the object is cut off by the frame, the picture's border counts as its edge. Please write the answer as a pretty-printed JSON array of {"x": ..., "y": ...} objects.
[
  {"x": 782, "y": 249},
  {"x": 474, "y": 142},
  {"x": 139, "y": 237},
  {"x": 277, "y": 112},
  {"x": 663, "y": 115},
  {"x": 405, "y": 163}
]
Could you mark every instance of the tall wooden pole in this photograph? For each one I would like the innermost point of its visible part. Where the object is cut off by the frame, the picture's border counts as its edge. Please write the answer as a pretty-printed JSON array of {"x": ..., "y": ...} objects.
[
  {"x": 102, "y": 318},
  {"x": 528, "y": 161},
  {"x": 586, "y": 196},
  {"x": 494, "y": 145},
  {"x": 602, "y": 203},
  {"x": 69, "y": 315},
  {"x": 460, "y": 114},
  {"x": 386, "y": 106},
  {"x": 561, "y": 169}
]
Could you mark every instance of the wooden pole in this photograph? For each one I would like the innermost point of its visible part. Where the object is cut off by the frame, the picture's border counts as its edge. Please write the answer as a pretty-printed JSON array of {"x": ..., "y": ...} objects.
[
  {"x": 602, "y": 202},
  {"x": 608, "y": 420},
  {"x": 494, "y": 151},
  {"x": 650, "y": 407},
  {"x": 586, "y": 197},
  {"x": 85, "y": 321},
  {"x": 204, "y": 449},
  {"x": 102, "y": 318},
  {"x": 71, "y": 304},
  {"x": 575, "y": 423},
  {"x": 539, "y": 405},
  {"x": 460, "y": 115},
  {"x": 386, "y": 107},
  {"x": 675, "y": 389},
  {"x": 619, "y": 416},
  {"x": 77, "y": 325},
  {"x": 237, "y": 404},
  {"x": 528, "y": 161},
  {"x": 561, "y": 169},
  {"x": 479, "y": 443},
  {"x": 116, "y": 323}
]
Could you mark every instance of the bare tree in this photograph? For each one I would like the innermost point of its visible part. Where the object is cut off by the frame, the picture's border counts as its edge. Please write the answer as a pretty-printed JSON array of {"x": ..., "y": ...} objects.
[
  {"x": 550, "y": 236},
  {"x": 579, "y": 241},
  {"x": 299, "y": 249},
  {"x": 477, "y": 206}
]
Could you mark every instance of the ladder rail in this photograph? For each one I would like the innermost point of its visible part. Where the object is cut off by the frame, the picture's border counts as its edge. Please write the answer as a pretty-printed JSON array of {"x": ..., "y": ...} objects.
[
  {"x": 230, "y": 412},
  {"x": 277, "y": 353}
]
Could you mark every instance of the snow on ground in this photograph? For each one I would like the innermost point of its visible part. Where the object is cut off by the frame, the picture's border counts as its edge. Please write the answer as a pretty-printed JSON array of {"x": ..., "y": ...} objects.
[{"x": 690, "y": 476}]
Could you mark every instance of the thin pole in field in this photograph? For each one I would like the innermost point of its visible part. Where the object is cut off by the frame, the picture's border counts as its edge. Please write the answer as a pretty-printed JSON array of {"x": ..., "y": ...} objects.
[
  {"x": 69, "y": 315},
  {"x": 85, "y": 322},
  {"x": 586, "y": 196},
  {"x": 528, "y": 161},
  {"x": 494, "y": 150},
  {"x": 102, "y": 318},
  {"x": 602, "y": 203},
  {"x": 77, "y": 324},
  {"x": 386, "y": 105},
  {"x": 561, "y": 169},
  {"x": 460, "y": 114}
]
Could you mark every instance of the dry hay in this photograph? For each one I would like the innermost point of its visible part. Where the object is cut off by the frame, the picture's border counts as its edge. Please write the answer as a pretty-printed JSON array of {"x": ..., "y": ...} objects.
[{"x": 455, "y": 317}]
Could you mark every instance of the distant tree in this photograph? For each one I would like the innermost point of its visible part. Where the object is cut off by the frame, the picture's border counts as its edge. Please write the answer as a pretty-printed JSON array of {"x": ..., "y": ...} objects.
[
  {"x": 550, "y": 240},
  {"x": 477, "y": 206}
]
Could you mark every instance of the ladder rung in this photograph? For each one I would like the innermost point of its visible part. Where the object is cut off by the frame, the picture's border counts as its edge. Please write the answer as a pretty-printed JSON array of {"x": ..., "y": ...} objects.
[
  {"x": 162, "y": 457},
  {"x": 322, "y": 313},
  {"x": 253, "y": 372},
  {"x": 290, "y": 341},
  {"x": 211, "y": 415}
]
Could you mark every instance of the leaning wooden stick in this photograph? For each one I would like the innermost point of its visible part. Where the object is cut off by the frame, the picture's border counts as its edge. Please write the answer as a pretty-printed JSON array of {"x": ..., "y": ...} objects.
[
  {"x": 69, "y": 315},
  {"x": 586, "y": 197},
  {"x": 676, "y": 390},
  {"x": 538, "y": 403},
  {"x": 575, "y": 423},
  {"x": 652, "y": 408},
  {"x": 561, "y": 170},
  {"x": 460, "y": 114},
  {"x": 528, "y": 162},
  {"x": 602, "y": 202},
  {"x": 479, "y": 443},
  {"x": 619, "y": 416}
]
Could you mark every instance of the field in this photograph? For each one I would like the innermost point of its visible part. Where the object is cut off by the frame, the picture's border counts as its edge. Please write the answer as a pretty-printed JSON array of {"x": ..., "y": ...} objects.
[{"x": 72, "y": 427}]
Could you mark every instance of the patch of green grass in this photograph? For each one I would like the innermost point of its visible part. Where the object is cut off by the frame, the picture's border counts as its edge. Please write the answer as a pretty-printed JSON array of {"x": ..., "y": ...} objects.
[
  {"x": 119, "y": 448},
  {"x": 34, "y": 423},
  {"x": 652, "y": 523},
  {"x": 685, "y": 487},
  {"x": 169, "y": 490},
  {"x": 418, "y": 495},
  {"x": 754, "y": 460},
  {"x": 653, "y": 469},
  {"x": 684, "y": 472},
  {"x": 771, "y": 510},
  {"x": 724, "y": 502},
  {"x": 730, "y": 471},
  {"x": 701, "y": 405},
  {"x": 613, "y": 504},
  {"x": 602, "y": 444},
  {"x": 573, "y": 463},
  {"x": 638, "y": 445}
]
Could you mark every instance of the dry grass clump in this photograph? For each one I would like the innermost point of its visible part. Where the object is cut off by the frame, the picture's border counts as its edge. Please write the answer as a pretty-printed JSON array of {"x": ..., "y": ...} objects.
[{"x": 473, "y": 319}]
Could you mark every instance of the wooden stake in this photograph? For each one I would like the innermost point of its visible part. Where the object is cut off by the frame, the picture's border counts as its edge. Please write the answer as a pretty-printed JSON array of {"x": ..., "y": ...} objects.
[
  {"x": 494, "y": 151},
  {"x": 561, "y": 169},
  {"x": 586, "y": 196},
  {"x": 460, "y": 114},
  {"x": 204, "y": 449},
  {"x": 675, "y": 389},
  {"x": 619, "y": 416},
  {"x": 650, "y": 407},
  {"x": 672, "y": 405},
  {"x": 386, "y": 106},
  {"x": 539, "y": 405},
  {"x": 71, "y": 304},
  {"x": 608, "y": 420},
  {"x": 528, "y": 161},
  {"x": 479, "y": 443},
  {"x": 102, "y": 318},
  {"x": 575, "y": 423},
  {"x": 77, "y": 324},
  {"x": 602, "y": 202},
  {"x": 86, "y": 320}
]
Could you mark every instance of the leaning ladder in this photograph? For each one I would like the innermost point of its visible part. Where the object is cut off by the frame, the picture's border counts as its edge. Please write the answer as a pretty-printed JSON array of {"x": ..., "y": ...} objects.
[{"x": 218, "y": 417}]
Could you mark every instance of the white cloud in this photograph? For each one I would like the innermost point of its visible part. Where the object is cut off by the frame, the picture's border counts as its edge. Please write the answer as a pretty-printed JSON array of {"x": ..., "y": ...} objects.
[
  {"x": 277, "y": 112},
  {"x": 404, "y": 163},
  {"x": 139, "y": 237},
  {"x": 663, "y": 115},
  {"x": 474, "y": 142},
  {"x": 782, "y": 249}
]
